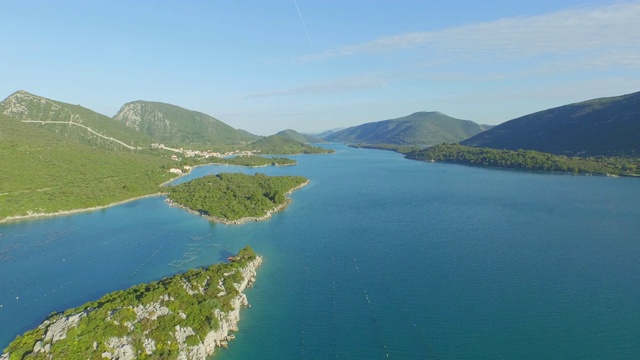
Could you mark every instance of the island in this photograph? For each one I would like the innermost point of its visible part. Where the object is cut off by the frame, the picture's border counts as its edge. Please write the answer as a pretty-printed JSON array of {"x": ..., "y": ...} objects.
[
  {"x": 185, "y": 316},
  {"x": 235, "y": 198}
]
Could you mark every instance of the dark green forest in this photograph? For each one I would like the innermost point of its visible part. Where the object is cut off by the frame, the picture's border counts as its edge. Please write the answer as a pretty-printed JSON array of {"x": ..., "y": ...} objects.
[
  {"x": 528, "y": 160},
  {"x": 231, "y": 197}
]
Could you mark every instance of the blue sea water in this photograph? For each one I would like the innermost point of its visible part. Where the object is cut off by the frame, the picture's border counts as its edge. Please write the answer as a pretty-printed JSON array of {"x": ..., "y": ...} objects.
[{"x": 379, "y": 257}]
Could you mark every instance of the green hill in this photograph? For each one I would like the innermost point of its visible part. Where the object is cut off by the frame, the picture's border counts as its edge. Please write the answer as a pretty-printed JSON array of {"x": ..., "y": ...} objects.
[
  {"x": 303, "y": 138},
  {"x": 278, "y": 144},
  {"x": 605, "y": 126},
  {"x": 72, "y": 122},
  {"x": 175, "y": 126},
  {"x": 421, "y": 128},
  {"x": 44, "y": 172}
]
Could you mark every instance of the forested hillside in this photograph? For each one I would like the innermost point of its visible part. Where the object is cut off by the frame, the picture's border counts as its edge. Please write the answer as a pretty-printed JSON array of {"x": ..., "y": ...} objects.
[
  {"x": 421, "y": 128},
  {"x": 606, "y": 126},
  {"x": 44, "y": 173}
]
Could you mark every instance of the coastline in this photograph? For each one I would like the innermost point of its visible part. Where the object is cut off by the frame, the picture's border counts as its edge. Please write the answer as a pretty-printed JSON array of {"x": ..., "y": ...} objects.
[
  {"x": 243, "y": 220},
  {"x": 93, "y": 208},
  {"x": 56, "y": 326},
  {"x": 32, "y": 216},
  {"x": 74, "y": 211}
]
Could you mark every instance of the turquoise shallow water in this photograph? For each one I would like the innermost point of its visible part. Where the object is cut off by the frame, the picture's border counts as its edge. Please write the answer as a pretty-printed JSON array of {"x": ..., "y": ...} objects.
[{"x": 379, "y": 257}]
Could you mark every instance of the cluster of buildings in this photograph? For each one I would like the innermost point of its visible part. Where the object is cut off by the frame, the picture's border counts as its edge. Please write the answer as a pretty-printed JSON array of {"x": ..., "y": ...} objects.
[
  {"x": 199, "y": 153},
  {"x": 202, "y": 154}
]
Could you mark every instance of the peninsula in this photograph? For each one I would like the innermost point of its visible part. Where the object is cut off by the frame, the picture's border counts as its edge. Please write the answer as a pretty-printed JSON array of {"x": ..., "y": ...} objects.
[
  {"x": 185, "y": 316},
  {"x": 235, "y": 198},
  {"x": 528, "y": 160}
]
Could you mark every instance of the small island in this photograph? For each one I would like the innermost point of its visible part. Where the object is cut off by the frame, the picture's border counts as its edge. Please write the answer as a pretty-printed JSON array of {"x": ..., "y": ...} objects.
[
  {"x": 185, "y": 316},
  {"x": 235, "y": 198}
]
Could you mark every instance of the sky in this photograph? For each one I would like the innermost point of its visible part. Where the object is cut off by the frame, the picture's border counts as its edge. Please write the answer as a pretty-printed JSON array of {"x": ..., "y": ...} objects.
[{"x": 312, "y": 65}]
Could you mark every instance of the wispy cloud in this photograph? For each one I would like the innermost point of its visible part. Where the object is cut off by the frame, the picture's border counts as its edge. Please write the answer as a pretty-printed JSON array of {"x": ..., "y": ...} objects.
[
  {"x": 610, "y": 28},
  {"x": 326, "y": 87}
]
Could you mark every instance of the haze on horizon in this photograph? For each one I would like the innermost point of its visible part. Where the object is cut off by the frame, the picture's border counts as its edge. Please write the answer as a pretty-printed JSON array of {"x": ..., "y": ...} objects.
[{"x": 313, "y": 65}]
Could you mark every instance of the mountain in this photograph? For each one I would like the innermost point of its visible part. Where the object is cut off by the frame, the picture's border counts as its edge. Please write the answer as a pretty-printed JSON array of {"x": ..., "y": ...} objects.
[
  {"x": 604, "y": 126},
  {"x": 324, "y": 134},
  {"x": 278, "y": 144},
  {"x": 72, "y": 122},
  {"x": 303, "y": 138},
  {"x": 176, "y": 126},
  {"x": 421, "y": 128}
]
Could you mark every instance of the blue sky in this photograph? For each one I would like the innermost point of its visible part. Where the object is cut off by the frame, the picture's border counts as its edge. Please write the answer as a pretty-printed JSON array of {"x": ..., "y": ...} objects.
[{"x": 313, "y": 65}]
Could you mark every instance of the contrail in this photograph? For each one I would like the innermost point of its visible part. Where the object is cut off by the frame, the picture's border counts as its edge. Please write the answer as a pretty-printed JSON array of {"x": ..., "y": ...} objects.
[{"x": 303, "y": 23}]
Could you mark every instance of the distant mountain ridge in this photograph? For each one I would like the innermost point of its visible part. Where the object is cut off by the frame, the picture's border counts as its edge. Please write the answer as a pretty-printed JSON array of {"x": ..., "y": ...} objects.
[
  {"x": 174, "y": 125},
  {"x": 73, "y": 122},
  {"x": 278, "y": 144},
  {"x": 303, "y": 138},
  {"x": 603, "y": 126},
  {"x": 420, "y": 128},
  {"x": 324, "y": 134}
]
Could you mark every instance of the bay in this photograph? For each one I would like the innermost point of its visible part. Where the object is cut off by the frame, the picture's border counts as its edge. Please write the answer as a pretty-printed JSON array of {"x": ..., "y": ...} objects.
[{"x": 379, "y": 257}]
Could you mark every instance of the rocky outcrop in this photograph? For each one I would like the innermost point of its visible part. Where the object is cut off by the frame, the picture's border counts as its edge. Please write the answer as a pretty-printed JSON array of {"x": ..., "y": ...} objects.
[
  {"x": 228, "y": 321},
  {"x": 133, "y": 343}
]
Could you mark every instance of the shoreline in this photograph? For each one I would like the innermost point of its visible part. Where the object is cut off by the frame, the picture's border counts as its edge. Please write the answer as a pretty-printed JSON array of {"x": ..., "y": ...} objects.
[
  {"x": 33, "y": 216},
  {"x": 57, "y": 326},
  {"x": 75, "y": 211},
  {"x": 247, "y": 219}
]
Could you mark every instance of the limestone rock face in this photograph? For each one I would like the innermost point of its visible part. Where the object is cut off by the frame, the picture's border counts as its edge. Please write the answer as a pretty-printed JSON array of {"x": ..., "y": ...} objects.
[
  {"x": 58, "y": 330},
  {"x": 121, "y": 349},
  {"x": 190, "y": 345}
]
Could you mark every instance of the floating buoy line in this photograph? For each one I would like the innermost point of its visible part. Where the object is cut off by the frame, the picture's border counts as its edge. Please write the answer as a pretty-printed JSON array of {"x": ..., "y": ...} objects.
[{"x": 383, "y": 345}]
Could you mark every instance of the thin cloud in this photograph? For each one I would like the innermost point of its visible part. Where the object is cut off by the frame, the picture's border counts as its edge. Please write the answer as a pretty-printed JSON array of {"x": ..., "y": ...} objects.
[
  {"x": 327, "y": 87},
  {"x": 605, "y": 28}
]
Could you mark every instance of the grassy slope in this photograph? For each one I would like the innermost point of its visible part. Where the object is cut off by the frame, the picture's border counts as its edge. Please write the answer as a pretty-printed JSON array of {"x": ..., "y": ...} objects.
[{"x": 41, "y": 167}]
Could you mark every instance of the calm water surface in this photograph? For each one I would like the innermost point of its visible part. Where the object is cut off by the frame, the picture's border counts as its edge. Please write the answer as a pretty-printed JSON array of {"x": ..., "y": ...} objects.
[{"x": 379, "y": 257}]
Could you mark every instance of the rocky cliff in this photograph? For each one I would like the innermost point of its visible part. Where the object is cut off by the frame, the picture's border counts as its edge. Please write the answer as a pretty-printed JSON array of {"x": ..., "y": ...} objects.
[{"x": 183, "y": 317}]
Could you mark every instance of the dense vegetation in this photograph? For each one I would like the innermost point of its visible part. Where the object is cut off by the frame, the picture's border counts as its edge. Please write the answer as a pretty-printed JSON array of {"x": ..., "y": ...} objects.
[
  {"x": 527, "y": 160},
  {"x": 277, "y": 144},
  {"x": 229, "y": 197},
  {"x": 74, "y": 158},
  {"x": 255, "y": 161},
  {"x": 193, "y": 299},
  {"x": 402, "y": 149},
  {"x": 303, "y": 138},
  {"x": 43, "y": 173},
  {"x": 421, "y": 128},
  {"x": 179, "y": 127},
  {"x": 600, "y": 127}
]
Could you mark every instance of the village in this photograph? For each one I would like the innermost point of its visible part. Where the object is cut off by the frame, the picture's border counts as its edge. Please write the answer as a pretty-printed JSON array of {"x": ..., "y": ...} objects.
[{"x": 200, "y": 154}]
